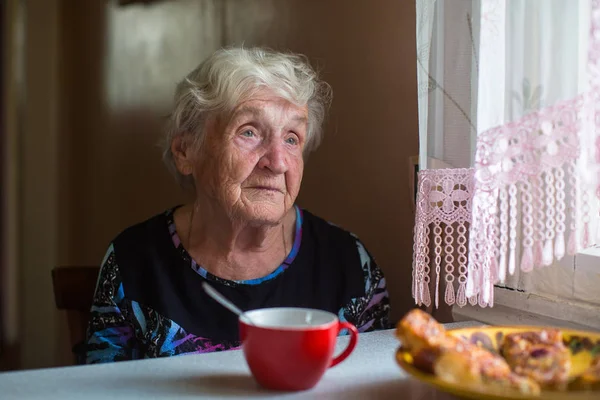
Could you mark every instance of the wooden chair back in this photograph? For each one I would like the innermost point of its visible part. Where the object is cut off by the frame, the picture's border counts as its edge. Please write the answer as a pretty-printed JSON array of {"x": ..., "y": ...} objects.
[{"x": 73, "y": 292}]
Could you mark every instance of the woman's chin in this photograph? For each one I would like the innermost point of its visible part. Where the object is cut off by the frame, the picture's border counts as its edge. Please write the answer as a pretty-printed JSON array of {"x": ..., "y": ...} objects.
[{"x": 264, "y": 213}]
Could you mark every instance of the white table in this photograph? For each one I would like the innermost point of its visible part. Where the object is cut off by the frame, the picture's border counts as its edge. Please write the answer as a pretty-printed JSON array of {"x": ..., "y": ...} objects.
[{"x": 370, "y": 372}]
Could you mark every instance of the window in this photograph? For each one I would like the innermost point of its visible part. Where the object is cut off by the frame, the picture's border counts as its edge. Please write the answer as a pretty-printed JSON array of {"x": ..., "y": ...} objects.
[{"x": 491, "y": 64}]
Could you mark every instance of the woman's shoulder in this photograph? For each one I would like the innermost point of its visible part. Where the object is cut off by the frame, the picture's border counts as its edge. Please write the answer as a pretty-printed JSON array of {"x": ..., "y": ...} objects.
[
  {"x": 326, "y": 230},
  {"x": 145, "y": 231},
  {"x": 143, "y": 247}
]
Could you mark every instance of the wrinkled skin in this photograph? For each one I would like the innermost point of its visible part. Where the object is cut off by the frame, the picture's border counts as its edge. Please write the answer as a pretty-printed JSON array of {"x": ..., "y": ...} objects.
[{"x": 247, "y": 175}]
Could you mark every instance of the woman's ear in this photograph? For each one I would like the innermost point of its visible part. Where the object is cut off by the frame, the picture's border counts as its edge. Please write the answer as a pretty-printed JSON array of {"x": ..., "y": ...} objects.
[{"x": 182, "y": 154}]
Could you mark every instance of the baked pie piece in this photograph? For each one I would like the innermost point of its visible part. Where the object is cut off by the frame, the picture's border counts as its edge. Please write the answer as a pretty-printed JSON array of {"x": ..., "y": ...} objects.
[
  {"x": 477, "y": 359},
  {"x": 421, "y": 334},
  {"x": 419, "y": 330},
  {"x": 482, "y": 372},
  {"x": 541, "y": 356},
  {"x": 454, "y": 359}
]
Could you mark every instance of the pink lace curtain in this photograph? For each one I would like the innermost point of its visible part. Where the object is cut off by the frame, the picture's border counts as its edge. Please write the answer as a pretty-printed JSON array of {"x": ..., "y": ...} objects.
[{"x": 509, "y": 116}]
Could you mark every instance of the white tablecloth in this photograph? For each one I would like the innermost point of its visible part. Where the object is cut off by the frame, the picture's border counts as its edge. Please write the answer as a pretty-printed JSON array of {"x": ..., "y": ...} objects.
[{"x": 370, "y": 372}]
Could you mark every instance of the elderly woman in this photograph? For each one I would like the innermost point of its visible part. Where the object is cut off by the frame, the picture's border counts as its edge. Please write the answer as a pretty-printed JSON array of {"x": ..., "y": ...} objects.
[{"x": 242, "y": 125}]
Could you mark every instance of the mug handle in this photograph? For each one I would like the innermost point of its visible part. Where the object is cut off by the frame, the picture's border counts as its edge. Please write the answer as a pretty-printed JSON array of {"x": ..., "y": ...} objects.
[{"x": 351, "y": 345}]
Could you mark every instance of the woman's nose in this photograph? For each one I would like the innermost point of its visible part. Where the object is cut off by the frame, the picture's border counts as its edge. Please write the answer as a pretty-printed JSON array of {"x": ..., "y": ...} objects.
[{"x": 274, "y": 159}]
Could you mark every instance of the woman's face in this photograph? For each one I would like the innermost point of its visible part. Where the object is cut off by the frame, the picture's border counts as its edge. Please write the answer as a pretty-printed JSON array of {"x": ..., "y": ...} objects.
[{"x": 251, "y": 163}]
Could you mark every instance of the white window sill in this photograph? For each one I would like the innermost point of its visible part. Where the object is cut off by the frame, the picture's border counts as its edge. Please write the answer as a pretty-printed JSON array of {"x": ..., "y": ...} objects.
[
  {"x": 589, "y": 260},
  {"x": 517, "y": 308}
]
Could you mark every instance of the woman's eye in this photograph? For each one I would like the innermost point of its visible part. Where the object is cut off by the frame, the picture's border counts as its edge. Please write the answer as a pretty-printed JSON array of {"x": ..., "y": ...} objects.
[
  {"x": 248, "y": 133},
  {"x": 292, "y": 141}
]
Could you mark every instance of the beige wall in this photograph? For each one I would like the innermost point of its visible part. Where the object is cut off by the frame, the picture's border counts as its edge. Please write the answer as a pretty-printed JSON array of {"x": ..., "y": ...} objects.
[{"x": 117, "y": 69}]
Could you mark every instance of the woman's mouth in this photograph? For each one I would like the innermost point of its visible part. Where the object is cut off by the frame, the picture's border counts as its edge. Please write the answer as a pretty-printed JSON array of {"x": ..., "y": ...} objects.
[{"x": 267, "y": 188}]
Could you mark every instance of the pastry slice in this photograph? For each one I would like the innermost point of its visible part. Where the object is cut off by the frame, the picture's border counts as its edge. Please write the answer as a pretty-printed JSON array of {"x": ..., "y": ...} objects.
[
  {"x": 541, "y": 356},
  {"x": 521, "y": 384},
  {"x": 481, "y": 372},
  {"x": 454, "y": 359},
  {"x": 419, "y": 330}
]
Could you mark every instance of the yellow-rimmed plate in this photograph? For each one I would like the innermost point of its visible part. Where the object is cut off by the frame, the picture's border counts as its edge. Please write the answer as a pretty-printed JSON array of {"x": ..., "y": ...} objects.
[{"x": 583, "y": 347}]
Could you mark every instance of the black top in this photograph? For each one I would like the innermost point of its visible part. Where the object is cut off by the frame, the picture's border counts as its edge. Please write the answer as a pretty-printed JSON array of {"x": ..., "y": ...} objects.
[{"x": 149, "y": 301}]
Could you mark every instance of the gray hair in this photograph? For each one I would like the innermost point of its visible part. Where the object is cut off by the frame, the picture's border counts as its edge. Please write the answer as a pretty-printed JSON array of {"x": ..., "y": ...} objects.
[{"x": 231, "y": 75}]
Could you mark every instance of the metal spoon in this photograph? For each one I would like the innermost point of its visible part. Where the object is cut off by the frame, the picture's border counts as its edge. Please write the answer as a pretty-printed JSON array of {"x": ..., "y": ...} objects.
[{"x": 222, "y": 300}]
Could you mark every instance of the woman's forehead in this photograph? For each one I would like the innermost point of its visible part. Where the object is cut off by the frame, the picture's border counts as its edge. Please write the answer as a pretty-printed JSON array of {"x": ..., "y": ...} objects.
[
  {"x": 262, "y": 106},
  {"x": 294, "y": 113}
]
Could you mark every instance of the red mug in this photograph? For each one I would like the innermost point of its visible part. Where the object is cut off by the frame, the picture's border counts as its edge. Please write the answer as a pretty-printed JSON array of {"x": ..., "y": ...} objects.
[{"x": 291, "y": 348}]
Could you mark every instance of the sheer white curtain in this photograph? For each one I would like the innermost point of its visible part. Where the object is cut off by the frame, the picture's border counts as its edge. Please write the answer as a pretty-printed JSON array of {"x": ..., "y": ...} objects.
[
  {"x": 447, "y": 39},
  {"x": 507, "y": 113}
]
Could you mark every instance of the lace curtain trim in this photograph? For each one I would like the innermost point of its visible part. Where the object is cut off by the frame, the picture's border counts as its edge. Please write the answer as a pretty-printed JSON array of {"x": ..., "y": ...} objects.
[
  {"x": 528, "y": 197},
  {"x": 524, "y": 205},
  {"x": 443, "y": 214}
]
